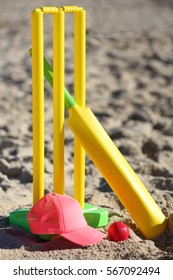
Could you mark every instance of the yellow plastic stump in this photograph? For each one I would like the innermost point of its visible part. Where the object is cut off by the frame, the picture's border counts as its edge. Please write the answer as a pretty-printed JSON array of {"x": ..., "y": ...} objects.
[{"x": 38, "y": 104}]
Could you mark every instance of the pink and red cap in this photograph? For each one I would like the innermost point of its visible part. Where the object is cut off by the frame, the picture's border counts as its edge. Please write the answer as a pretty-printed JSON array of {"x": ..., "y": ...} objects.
[{"x": 62, "y": 214}]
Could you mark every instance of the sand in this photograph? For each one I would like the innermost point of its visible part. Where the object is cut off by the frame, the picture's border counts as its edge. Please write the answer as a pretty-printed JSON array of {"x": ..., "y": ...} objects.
[{"x": 129, "y": 89}]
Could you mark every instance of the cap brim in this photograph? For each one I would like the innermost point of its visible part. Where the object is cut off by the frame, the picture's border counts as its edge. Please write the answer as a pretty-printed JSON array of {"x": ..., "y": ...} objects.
[{"x": 84, "y": 236}]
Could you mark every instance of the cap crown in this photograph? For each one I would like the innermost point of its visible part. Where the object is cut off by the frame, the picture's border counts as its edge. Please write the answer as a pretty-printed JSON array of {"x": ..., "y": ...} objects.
[{"x": 59, "y": 213}]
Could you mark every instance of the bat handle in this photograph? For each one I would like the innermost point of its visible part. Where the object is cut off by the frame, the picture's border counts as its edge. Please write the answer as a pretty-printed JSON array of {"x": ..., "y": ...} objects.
[{"x": 48, "y": 73}]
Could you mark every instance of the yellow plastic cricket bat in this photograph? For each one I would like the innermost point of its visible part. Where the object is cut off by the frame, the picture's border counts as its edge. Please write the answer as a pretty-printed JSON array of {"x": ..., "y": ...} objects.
[{"x": 113, "y": 166}]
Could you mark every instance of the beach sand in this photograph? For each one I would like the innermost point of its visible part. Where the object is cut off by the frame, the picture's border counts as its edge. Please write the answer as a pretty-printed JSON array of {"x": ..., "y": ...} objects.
[{"x": 129, "y": 89}]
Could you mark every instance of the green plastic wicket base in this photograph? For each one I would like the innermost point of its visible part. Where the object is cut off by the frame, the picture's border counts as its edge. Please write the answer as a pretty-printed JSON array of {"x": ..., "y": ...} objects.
[
  {"x": 95, "y": 217},
  {"x": 18, "y": 218}
]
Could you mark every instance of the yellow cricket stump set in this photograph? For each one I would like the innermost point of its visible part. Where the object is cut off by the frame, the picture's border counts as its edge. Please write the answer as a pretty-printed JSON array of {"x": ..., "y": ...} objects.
[
  {"x": 58, "y": 98},
  {"x": 97, "y": 217},
  {"x": 94, "y": 216},
  {"x": 89, "y": 135}
]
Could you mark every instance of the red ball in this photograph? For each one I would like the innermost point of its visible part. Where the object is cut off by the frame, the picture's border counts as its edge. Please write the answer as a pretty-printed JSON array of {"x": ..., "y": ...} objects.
[{"x": 118, "y": 231}]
